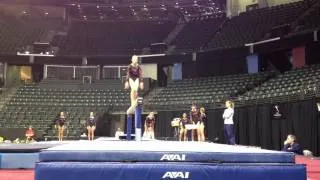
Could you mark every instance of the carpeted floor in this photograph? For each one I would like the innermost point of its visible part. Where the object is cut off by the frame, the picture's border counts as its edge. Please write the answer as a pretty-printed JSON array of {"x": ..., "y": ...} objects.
[
  {"x": 17, "y": 174},
  {"x": 313, "y": 166}
]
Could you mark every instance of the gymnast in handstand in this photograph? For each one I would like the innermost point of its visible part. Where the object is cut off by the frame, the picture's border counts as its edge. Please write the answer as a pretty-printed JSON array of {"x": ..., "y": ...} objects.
[{"x": 134, "y": 82}]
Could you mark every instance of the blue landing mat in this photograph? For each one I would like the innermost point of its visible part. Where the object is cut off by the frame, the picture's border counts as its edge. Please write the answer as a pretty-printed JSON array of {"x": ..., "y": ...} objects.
[
  {"x": 166, "y": 170},
  {"x": 143, "y": 156},
  {"x": 18, "y": 160},
  {"x": 156, "y": 151}
]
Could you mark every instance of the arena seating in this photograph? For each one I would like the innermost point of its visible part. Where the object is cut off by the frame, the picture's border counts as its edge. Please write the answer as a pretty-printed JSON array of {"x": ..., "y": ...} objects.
[
  {"x": 254, "y": 25},
  {"x": 39, "y": 105},
  {"x": 129, "y": 37},
  {"x": 205, "y": 28},
  {"x": 206, "y": 91},
  {"x": 244, "y": 89},
  {"x": 310, "y": 20},
  {"x": 18, "y": 32},
  {"x": 114, "y": 37},
  {"x": 294, "y": 84},
  {"x": 213, "y": 32}
]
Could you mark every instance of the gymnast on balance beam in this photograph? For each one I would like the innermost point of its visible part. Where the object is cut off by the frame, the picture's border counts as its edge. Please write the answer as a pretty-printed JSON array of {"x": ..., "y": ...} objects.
[{"x": 134, "y": 82}]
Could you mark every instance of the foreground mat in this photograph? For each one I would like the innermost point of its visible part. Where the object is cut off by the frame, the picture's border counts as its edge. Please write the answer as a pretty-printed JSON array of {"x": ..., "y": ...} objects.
[
  {"x": 158, "y": 151},
  {"x": 154, "y": 171},
  {"x": 18, "y": 160}
]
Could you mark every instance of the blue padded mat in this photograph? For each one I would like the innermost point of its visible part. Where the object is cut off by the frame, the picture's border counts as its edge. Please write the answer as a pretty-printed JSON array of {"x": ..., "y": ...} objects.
[
  {"x": 145, "y": 151},
  {"x": 166, "y": 170},
  {"x": 18, "y": 160},
  {"x": 143, "y": 156}
]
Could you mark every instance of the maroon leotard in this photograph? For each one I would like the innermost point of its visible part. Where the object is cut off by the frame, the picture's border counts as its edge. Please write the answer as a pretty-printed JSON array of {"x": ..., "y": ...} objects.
[
  {"x": 61, "y": 121},
  {"x": 91, "y": 122},
  {"x": 203, "y": 118},
  {"x": 183, "y": 122},
  {"x": 134, "y": 72},
  {"x": 195, "y": 116},
  {"x": 150, "y": 122}
]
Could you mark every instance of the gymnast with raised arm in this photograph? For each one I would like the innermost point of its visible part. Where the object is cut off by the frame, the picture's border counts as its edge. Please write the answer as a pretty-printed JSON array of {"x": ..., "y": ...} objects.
[{"x": 134, "y": 82}]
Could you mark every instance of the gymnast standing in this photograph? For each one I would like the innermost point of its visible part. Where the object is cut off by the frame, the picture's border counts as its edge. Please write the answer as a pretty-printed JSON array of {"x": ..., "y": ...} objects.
[
  {"x": 91, "y": 126},
  {"x": 134, "y": 82},
  {"x": 194, "y": 119},
  {"x": 183, "y": 131},
  {"x": 149, "y": 126},
  {"x": 61, "y": 121},
  {"x": 201, "y": 124},
  {"x": 228, "y": 123}
]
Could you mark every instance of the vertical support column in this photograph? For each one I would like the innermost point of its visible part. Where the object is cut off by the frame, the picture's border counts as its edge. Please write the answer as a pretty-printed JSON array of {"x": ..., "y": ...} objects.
[
  {"x": 138, "y": 120},
  {"x": 74, "y": 72},
  {"x": 31, "y": 59},
  {"x": 98, "y": 72},
  {"x": 5, "y": 72},
  {"x": 229, "y": 8},
  {"x": 129, "y": 126},
  {"x": 45, "y": 72},
  {"x": 119, "y": 73}
]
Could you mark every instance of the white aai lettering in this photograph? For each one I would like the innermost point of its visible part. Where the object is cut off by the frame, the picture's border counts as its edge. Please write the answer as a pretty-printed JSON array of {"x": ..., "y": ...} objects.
[
  {"x": 173, "y": 157},
  {"x": 176, "y": 175}
]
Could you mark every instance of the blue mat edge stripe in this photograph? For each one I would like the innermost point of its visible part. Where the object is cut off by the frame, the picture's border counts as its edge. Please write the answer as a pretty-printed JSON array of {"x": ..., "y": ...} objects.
[
  {"x": 171, "y": 163},
  {"x": 100, "y": 156},
  {"x": 153, "y": 170}
]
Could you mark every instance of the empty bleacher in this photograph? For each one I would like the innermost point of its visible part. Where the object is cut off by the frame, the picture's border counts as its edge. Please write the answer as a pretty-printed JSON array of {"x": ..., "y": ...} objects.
[
  {"x": 310, "y": 20},
  {"x": 16, "y": 32},
  {"x": 256, "y": 25},
  {"x": 206, "y": 91},
  {"x": 197, "y": 32},
  {"x": 129, "y": 37},
  {"x": 39, "y": 105},
  {"x": 291, "y": 85},
  {"x": 245, "y": 89},
  {"x": 113, "y": 37}
]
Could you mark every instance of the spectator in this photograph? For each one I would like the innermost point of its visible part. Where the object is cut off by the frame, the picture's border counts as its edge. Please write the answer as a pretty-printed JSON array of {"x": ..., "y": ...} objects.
[
  {"x": 290, "y": 145},
  {"x": 29, "y": 134}
]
